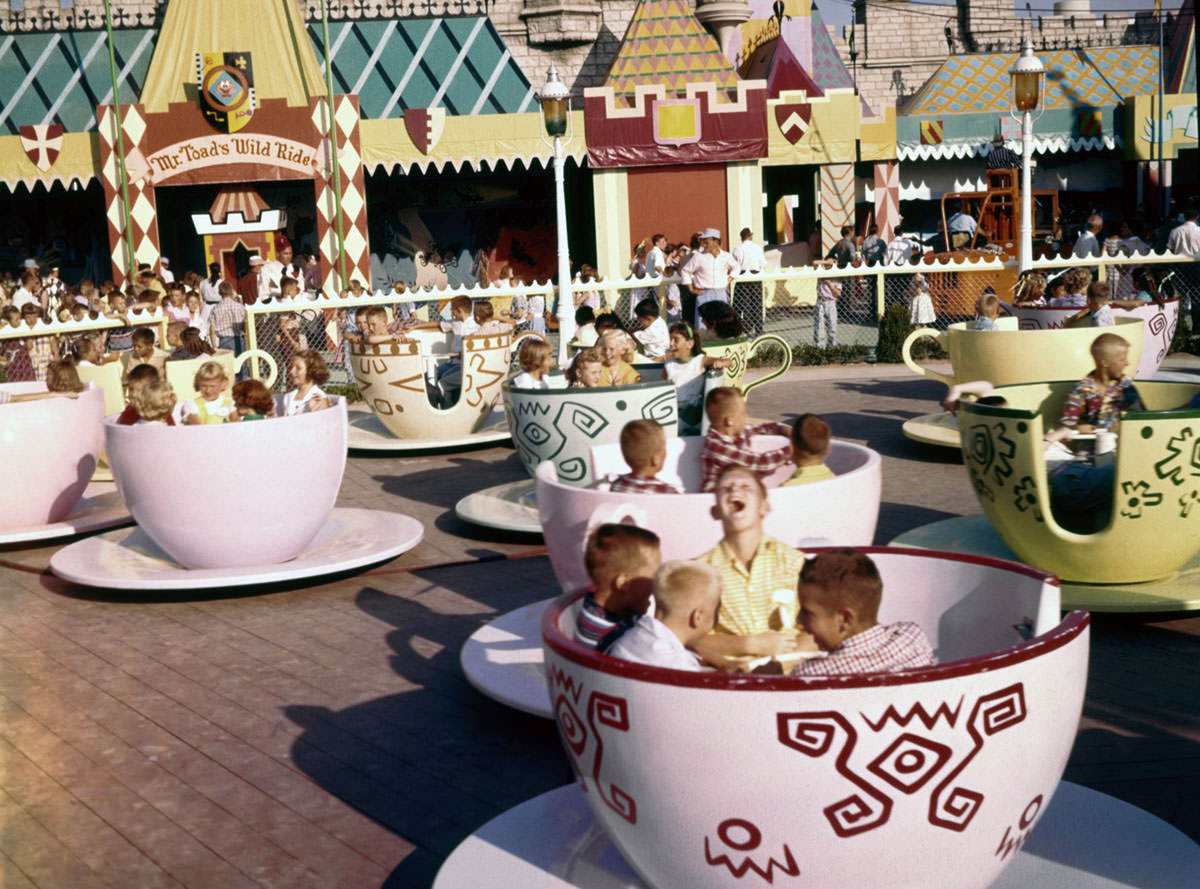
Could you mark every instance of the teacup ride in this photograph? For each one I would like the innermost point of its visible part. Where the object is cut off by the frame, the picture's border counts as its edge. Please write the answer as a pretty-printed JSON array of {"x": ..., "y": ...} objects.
[
  {"x": 233, "y": 504},
  {"x": 1144, "y": 558},
  {"x": 107, "y": 377},
  {"x": 562, "y": 425},
  {"x": 923, "y": 777},
  {"x": 396, "y": 378},
  {"x": 181, "y": 373},
  {"x": 739, "y": 351},
  {"x": 504, "y": 660},
  {"x": 50, "y": 449},
  {"x": 1160, "y": 320},
  {"x": 1005, "y": 357}
]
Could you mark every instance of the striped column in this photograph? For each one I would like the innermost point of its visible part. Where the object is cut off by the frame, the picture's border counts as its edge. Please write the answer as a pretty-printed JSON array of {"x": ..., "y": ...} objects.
[
  {"x": 837, "y": 203},
  {"x": 143, "y": 211},
  {"x": 354, "y": 196}
]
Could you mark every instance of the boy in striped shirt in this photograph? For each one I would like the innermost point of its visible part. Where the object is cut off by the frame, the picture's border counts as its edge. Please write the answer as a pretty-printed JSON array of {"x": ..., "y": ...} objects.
[{"x": 621, "y": 561}]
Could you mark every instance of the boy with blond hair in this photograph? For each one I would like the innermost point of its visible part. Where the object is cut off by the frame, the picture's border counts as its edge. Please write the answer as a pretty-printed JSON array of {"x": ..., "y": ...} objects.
[
  {"x": 728, "y": 441},
  {"x": 621, "y": 561},
  {"x": 687, "y": 598},
  {"x": 839, "y": 595},
  {"x": 644, "y": 447}
]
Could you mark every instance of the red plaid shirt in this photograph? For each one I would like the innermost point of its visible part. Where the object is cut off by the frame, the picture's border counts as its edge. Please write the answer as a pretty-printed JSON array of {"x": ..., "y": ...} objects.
[
  {"x": 895, "y": 646},
  {"x": 642, "y": 484},
  {"x": 720, "y": 450}
]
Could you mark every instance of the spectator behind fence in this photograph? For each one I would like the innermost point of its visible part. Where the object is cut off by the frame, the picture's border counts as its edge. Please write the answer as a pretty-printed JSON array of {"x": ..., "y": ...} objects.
[
  {"x": 839, "y": 595},
  {"x": 644, "y": 447},
  {"x": 621, "y": 561},
  {"x": 825, "y": 312},
  {"x": 212, "y": 404},
  {"x": 687, "y": 599},
  {"x": 228, "y": 319},
  {"x": 729, "y": 439}
]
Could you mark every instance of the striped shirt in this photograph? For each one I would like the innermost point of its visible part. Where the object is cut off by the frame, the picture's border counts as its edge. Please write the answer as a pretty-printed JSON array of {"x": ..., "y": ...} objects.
[
  {"x": 642, "y": 484},
  {"x": 749, "y": 596},
  {"x": 897, "y": 646},
  {"x": 597, "y": 627}
]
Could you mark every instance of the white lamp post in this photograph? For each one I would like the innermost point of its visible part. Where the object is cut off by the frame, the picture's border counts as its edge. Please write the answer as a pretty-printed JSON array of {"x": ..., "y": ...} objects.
[
  {"x": 556, "y": 106},
  {"x": 1027, "y": 85}
]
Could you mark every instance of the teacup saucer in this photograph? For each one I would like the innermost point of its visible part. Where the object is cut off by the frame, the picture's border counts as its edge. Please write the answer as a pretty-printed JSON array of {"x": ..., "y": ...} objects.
[
  {"x": 939, "y": 430},
  {"x": 508, "y": 507},
  {"x": 129, "y": 560},
  {"x": 1085, "y": 840},
  {"x": 974, "y": 534},
  {"x": 100, "y": 507},
  {"x": 504, "y": 660},
  {"x": 367, "y": 433}
]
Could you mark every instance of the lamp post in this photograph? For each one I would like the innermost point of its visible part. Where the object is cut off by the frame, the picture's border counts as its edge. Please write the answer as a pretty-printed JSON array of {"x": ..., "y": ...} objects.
[
  {"x": 556, "y": 119},
  {"x": 1027, "y": 85}
]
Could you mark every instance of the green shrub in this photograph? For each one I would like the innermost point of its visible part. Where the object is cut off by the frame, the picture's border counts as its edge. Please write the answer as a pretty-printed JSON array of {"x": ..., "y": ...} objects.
[
  {"x": 894, "y": 328},
  {"x": 812, "y": 355},
  {"x": 349, "y": 391}
]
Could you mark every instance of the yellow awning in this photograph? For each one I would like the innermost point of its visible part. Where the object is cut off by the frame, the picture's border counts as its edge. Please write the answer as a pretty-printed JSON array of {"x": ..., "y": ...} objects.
[{"x": 78, "y": 159}]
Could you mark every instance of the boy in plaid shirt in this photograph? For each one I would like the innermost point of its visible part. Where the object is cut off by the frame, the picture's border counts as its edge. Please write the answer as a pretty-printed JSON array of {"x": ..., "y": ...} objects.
[
  {"x": 839, "y": 596},
  {"x": 644, "y": 447},
  {"x": 728, "y": 441}
]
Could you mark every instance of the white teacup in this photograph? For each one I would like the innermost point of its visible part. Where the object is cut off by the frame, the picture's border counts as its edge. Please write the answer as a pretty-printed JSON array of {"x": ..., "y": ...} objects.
[
  {"x": 906, "y": 780},
  {"x": 231, "y": 495},
  {"x": 841, "y": 510},
  {"x": 562, "y": 424},
  {"x": 49, "y": 448}
]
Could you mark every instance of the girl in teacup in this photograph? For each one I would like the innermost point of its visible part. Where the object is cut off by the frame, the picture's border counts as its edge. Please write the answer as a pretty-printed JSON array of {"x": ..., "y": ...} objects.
[
  {"x": 616, "y": 351},
  {"x": 587, "y": 369},
  {"x": 307, "y": 373},
  {"x": 213, "y": 404},
  {"x": 685, "y": 366}
]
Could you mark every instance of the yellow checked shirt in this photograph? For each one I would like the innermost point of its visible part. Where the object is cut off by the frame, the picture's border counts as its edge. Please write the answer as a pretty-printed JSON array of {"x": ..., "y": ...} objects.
[{"x": 748, "y": 598}]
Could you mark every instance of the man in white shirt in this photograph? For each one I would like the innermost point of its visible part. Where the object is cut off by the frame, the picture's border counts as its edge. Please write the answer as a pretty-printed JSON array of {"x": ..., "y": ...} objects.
[
  {"x": 1088, "y": 244},
  {"x": 656, "y": 257},
  {"x": 899, "y": 249},
  {"x": 281, "y": 267},
  {"x": 687, "y": 598},
  {"x": 708, "y": 271},
  {"x": 962, "y": 229},
  {"x": 168, "y": 277},
  {"x": 30, "y": 290},
  {"x": 748, "y": 295},
  {"x": 1185, "y": 239}
]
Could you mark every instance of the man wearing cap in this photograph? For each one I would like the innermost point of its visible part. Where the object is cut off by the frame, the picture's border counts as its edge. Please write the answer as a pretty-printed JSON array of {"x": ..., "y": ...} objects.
[
  {"x": 709, "y": 270},
  {"x": 253, "y": 285},
  {"x": 166, "y": 274},
  {"x": 1001, "y": 157}
]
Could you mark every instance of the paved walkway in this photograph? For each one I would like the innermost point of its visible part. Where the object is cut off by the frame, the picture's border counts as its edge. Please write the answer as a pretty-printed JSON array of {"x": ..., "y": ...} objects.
[{"x": 323, "y": 736}]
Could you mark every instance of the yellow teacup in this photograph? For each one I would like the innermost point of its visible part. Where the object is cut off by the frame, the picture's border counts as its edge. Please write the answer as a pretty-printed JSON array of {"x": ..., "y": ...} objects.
[
  {"x": 739, "y": 351},
  {"x": 1006, "y": 357}
]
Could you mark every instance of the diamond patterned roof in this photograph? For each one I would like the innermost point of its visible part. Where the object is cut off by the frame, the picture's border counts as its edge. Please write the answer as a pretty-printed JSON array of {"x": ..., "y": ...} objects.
[
  {"x": 665, "y": 44},
  {"x": 1074, "y": 78},
  {"x": 828, "y": 70}
]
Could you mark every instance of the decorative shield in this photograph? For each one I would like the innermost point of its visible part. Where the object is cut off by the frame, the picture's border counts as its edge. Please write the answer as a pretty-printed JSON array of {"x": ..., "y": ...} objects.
[
  {"x": 42, "y": 143},
  {"x": 931, "y": 132},
  {"x": 226, "y": 82},
  {"x": 793, "y": 119},
  {"x": 425, "y": 126}
]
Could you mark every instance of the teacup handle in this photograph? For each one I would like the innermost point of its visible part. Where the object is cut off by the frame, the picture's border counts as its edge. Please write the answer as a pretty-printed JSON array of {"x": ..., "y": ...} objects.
[
  {"x": 265, "y": 356},
  {"x": 787, "y": 359},
  {"x": 906, "y": 352}
]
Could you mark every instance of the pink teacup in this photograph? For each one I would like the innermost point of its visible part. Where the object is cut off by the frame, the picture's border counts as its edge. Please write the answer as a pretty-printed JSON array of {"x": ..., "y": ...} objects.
[
  {"x": 49, "y": 448},
  {"x": 231, "y": 495},
  {"x": 907, "y": 780}
]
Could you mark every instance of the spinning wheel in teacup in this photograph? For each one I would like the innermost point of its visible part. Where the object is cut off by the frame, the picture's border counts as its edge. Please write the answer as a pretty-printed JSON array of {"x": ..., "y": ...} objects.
[
  {"x": 739, "y": 351},
  {"x": 1005, "y": 357},
  {"x": 1160, "y": 320},
  {"x": 841, "y": 510},
  {"x": 909, "y": 778},
  {"x": 395, "y": 378}
]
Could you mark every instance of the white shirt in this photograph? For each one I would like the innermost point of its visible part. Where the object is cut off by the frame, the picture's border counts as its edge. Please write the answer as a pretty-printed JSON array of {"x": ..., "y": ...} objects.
[
  {"x": 655, "y": 339},
  {"x": 703, "y": 271},
  {"x": 275, "y": 271},
  {"x": 586, "y": 335},
  {"x": 167, "y": 275},
  {"x": 750, "y": 257},
  {"x": 208, "y": 291},
  {"x": 524, "y": 381},
  {"x": 291, "y": 404},
  {"x": 459, "y": 329},
  {"x": 688, "y": 377},
  {"x": 1183, "y": 239},
  {"x": 961, "y": 223},
  {"x": 655, "y": 262},
  {"x": 21, "y": 296},
  {"x": 652, "y": 642},
  {"x": 1087, "y": 245},
  {"x": 899, "y": 251}
]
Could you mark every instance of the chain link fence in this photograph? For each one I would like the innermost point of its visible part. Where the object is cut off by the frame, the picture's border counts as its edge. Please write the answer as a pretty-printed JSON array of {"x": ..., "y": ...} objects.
[{"x": 826, "y": 315}]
